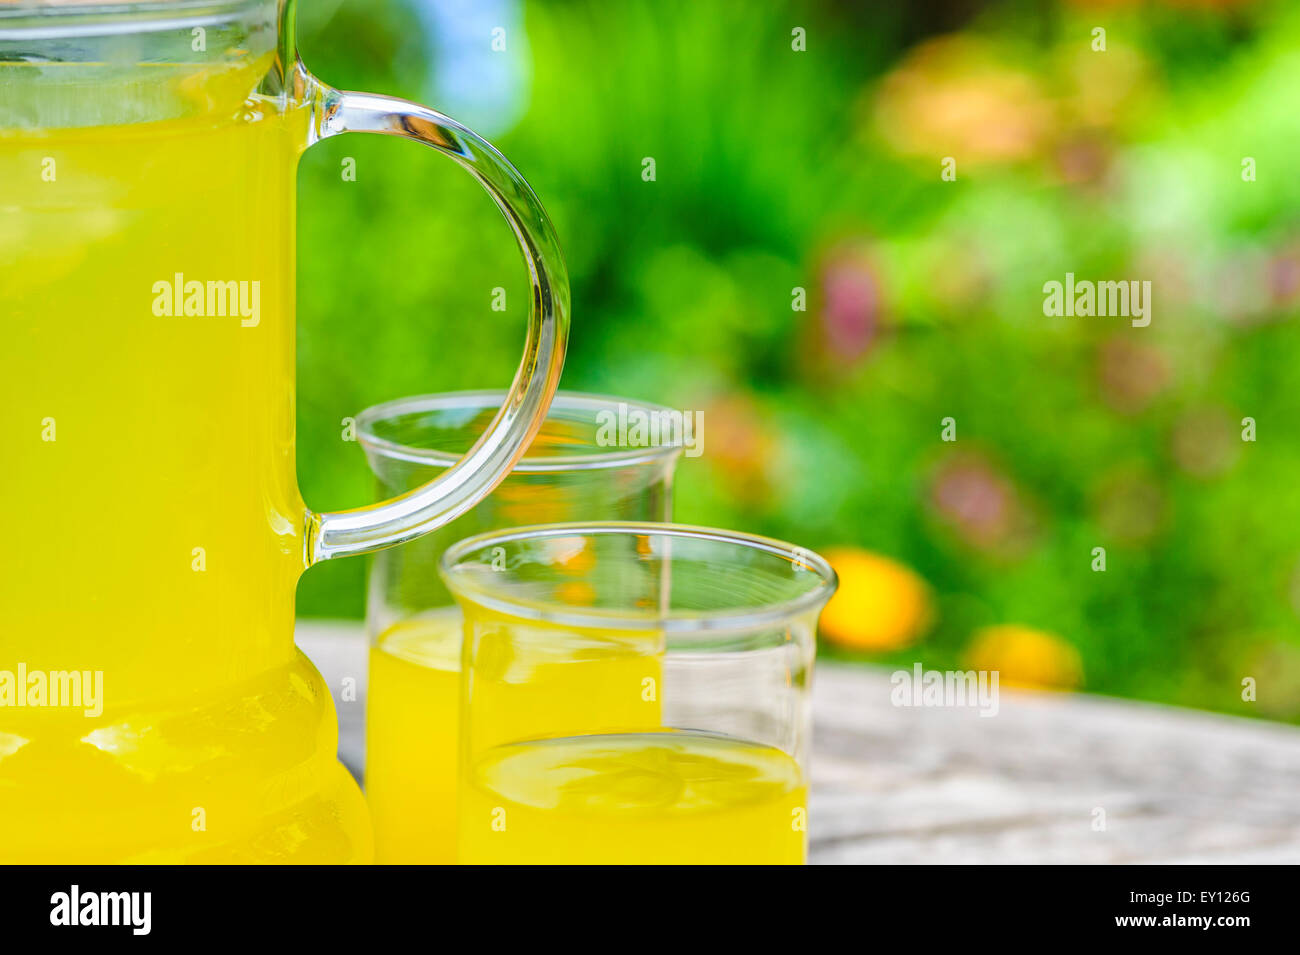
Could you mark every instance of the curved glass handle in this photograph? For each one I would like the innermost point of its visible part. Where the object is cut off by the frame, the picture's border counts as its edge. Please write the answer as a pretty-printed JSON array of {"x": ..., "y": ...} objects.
[{"x": 342, "y": 533}]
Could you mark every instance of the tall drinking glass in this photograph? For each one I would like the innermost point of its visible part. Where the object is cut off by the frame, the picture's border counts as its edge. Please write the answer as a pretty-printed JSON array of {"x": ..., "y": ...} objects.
[
  {"x": 151, "y": 505},
  {"x": 573, "y": 471},
  {"x": 696, "y": 751}
]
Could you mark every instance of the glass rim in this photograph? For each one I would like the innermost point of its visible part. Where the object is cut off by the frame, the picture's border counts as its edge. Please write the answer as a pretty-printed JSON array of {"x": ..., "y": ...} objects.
[
  {"x": 56, "y": 8},
  {"x": 679, "y": 622},
  {"x": 491, "y": 400},
  {"x": 83, "y": 20},
  {"x": 28, "y": 20},
  {"x": 53, "y": 9}
]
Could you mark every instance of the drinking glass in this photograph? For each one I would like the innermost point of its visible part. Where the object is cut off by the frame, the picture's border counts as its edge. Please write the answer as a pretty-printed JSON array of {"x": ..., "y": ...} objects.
[
  {"x": 690, "y": 744},
  {"x": 147, "y": 174},
  {"x": 572, "y": 471}
]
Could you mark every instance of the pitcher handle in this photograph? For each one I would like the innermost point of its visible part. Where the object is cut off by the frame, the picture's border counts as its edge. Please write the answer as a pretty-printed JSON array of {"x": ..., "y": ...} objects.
[{"x": 456, "y": 490}]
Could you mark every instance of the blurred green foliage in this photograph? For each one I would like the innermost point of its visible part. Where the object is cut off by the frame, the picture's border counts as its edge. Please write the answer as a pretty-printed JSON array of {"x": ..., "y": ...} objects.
[{"x": 779, "y": 169}]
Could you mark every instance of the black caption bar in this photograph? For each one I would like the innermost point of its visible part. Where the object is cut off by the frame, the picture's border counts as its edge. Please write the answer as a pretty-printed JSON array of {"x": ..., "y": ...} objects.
[{"x": 303, "y": 905}]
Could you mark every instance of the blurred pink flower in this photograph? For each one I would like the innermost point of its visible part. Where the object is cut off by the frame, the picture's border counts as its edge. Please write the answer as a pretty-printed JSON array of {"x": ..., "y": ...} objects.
[
  {"x": 851, "y": 304},
  {"x": 1254, "y": 284},
  {"x": 1284, "y": 278},
  {"x": 1084, "y": 159},
  {"x": 1130, "y": 375},
  {"x": 980, "y": 504}
]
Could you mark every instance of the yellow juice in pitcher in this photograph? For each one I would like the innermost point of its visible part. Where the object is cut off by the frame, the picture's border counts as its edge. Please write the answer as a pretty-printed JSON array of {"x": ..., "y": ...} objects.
[
  {"x": 648, "y": 798},
  {"x": 413, "y": 714},
  {"x": 147, "y": 416}
]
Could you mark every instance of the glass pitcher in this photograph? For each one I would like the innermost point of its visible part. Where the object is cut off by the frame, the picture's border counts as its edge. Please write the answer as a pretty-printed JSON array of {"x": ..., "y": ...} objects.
[{"x": 152, "y": 704}]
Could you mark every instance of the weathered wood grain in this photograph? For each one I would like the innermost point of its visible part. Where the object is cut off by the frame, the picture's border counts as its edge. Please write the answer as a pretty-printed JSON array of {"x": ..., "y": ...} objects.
[
  {"x": 901, "y": 784},
  {"x": 945, "y": 785}
]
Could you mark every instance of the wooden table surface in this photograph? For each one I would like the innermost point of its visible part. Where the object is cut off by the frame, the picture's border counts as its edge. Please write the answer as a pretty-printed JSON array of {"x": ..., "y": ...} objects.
[{"x": 1050, "y": 778}]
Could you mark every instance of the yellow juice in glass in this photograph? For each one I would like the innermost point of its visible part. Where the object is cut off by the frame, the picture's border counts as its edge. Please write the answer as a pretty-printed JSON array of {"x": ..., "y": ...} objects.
[
  {"x": 152, "y": 507},
  {"x": 412, "y": 731},
  {"x": 648, "y": 798},
  {"x": 413, "y": 720},
  {"x": 557, "y": 768}
]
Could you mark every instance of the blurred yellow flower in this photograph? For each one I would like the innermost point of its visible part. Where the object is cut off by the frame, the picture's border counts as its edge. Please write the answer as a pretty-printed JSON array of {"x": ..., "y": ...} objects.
[
  {"x": 1023, "y": 656},
  {"x": 880, "y": 604},
  {"x": 959, "y": 96},
  {"x": 576, "y": 592},
  {"x": 579, "y": 559},
  {"x": 741, "y": 446},
  {"x": 532, "y": 499}
]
